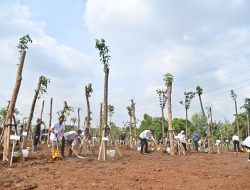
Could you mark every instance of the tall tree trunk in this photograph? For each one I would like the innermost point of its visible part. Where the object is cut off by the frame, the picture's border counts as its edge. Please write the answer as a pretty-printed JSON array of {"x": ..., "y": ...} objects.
[
  {"x": 236, "y": 118},
  {"x": 134, "y": 121},
  {"x": 248, "y": 134},
  {"x": 50, "y": 112},
  {"x": 186, "y": 123},
  {"x": 130, "y": 133},
  {"x": 207, "y": 127},
  {"x": 11, "y": 107},
  {"x": 212, "y": 127},
  {"x": 88, "y": 108},
  {"x": 162, "y": 126},
  {"x": 78, "y": 119},
  {"x": 41, "y": 115},
  {"x": 170, "y": 127},
  {"x": 100, "y": 123},
  {"x": 29, "y": 123}
]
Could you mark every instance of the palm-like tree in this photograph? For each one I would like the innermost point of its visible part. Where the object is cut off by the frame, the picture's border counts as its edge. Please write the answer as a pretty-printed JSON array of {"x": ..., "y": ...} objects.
[
  {"x": 187, "y": 101},
  {"x": 199, "y": 91},
  {"x": 162, "y": 100},
  {"x": 234, "y": 96},
  {"x": 168, "y": 79},
  {"x": 22, "y": 46},
  {"x": 246, "y": 106}
]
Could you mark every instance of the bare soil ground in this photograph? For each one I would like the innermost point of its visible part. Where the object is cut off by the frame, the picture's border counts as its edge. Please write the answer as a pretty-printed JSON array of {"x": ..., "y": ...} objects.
[{"x": 156, "y": 170}]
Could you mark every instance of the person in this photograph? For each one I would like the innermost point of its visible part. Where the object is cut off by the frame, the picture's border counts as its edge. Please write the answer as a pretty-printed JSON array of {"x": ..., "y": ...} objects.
[
  {"x": 36, "y": 135},
  {"x": 195, "y": 138},
  {"x": 72, "y": 138},
  {"x": 236, "y": 143},
  {"x": 144, "y": 137},
  {"x": 182, "y": 138},
  {"x": 57, "y": 131},
  {"x": 246, "y": 144},
  {"x": 122, "y": 138}
]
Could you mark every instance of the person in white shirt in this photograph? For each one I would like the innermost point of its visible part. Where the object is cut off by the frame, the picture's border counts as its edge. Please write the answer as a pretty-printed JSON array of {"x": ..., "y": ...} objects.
[
  {"x": 246, "y": 144},
  {"x": 182, "y": 138},
  {"x": 144, "y": 137},
  {"x": 72, "y": 138},
  {"x": 57, "y": 131},
  {"x": 236, "y": 142}
]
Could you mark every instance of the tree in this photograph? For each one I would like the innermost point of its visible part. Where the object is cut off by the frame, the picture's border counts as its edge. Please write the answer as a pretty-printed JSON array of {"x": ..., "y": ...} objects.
[
  {"x": 41, "y": 89},
  {"x": 198, "y": 122},
  {"x": 88, "y": 91},
  {"x": 199, "y": 91},
  {"x": 234, "y": 96},
  {"x": 66, "y": 111},
  {"x": 162, "y": 100},
  {"x": 187, "y": 101},
  {"x": 111, "y": 111},
  {"x": 22, "y": 46},
  {"x": 168, "y": 79},
  {"x": 246, "y": 106},
  {"x": 130, "y": 126},
  {"x": 104, "y": 58}
]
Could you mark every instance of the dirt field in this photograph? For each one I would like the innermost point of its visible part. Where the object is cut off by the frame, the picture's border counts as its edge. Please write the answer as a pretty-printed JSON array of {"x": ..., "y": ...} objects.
[{"x": 156, "y": 170}]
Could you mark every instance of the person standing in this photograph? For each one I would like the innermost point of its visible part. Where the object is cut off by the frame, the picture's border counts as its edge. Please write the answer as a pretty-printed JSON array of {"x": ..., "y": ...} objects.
[
  {"x": 144, "y": 137},
  {"x": 36, "y": 135},
  {"x": 57, "y": 131},
  {"x": 182, "y": 138},
  {"x": 246, "y": 144},
  {"x": 195, "y": 138},
  {"x": 72, "y": 138},
  {"x": 236, "y": 142}
]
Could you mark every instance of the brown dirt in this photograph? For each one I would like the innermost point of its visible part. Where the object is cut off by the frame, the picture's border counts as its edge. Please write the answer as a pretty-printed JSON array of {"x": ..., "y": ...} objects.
[{"x": 156, "y": 170}]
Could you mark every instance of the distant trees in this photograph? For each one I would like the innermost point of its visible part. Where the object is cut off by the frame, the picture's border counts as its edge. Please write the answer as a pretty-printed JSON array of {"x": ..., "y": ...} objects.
[{"x": 234, "y": 96}]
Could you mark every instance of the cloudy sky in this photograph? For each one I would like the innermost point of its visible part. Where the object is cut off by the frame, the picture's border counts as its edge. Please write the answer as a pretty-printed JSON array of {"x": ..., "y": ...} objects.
[{"x": 201, "y": 42}]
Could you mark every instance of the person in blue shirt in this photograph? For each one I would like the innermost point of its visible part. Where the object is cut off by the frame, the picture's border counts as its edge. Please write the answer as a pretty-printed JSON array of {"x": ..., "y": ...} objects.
[{"x": 195, "y": 138}]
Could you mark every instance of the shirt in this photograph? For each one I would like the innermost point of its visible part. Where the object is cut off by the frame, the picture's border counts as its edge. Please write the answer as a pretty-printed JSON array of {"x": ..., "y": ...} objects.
[
  {"x": 246, "y": 142},
  {"x": 58, "y": 129},
  {"x": 70, "y": 136},
  {"x": 235, "y": 138},
  {"x": 195, "y": 136},
  {"x": 147, "y": 134},
  {"x": 182, "y": 137}
]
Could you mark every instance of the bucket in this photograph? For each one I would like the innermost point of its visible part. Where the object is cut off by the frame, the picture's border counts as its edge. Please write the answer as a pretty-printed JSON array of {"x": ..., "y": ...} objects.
[
  {"x": 111, "y": 153},
  {"x": 25, "y": 153}
]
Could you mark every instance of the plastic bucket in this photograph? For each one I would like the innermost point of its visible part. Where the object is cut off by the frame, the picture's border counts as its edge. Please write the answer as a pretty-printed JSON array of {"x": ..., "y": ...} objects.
[
  {"x": 25, "y": 153},
  {"x": 111, "y": 153}
]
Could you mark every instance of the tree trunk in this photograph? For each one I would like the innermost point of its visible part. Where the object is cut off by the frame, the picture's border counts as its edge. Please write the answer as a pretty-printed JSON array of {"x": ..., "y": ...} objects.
[
  {"x": 130, "y": 133},
  {"x": 236, "y": 118},
  {"x": 105, "y": 102},
  {"x": 29, "y": 123},
  {"x": 11, "y": 107},
  {"x": 247, "y": 123},
  {"x": 78, "y": 119},
  {"x": 186, "y": 123},
  {"x": 41, "y": 115},
  {"x": 134, "y": 121},
  {"x": 88, "y": 108},
  {"x": 100, "y": 124},
  {"x": 170, "y": 127},
  {"x": 50, "y": 112},
  {"x": 207, "y": 127},
  {"x": 162, "y": 126}
]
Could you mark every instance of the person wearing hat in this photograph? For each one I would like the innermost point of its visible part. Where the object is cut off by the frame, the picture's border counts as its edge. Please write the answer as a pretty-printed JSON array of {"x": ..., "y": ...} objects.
[
  {"x": 57, "y": 132},
  {"x": 36, "y": 134}
]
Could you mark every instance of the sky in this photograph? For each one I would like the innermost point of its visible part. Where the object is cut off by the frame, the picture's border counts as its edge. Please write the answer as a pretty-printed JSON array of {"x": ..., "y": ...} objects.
[{"x": 200, "y": 42}]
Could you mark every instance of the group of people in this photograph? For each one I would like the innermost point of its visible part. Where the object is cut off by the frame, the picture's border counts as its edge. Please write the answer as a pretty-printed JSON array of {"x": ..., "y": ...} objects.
[{"x": 58, "y": 138}]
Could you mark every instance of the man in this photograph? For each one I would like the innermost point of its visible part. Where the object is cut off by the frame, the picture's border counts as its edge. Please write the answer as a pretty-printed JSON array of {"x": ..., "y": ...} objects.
[
  {"x": 122, "y": 138},
  {"x": 236, "y": 142},
  {"x": 195, "y": 138},
  {"x": 144, "y": 137},
  {"x": 72, "y": 138},
  {"x": 37, "y": 133},
  {"x": 57, "y": 131},
  {"x": 182, "y": 138},
  {"x": 246, "y": 144}
]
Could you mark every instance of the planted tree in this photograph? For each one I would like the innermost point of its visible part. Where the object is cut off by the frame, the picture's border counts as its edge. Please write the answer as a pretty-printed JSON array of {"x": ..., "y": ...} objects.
[
  {"x": 186, "y": 103},
  {"x": 22, "y": 46},
  {"x": 134, "y": 119},
  {"x": 111, "y": 111},
  {"x": 234, "y": 96},
  {"x": 162, "y": 100},
  {"x": 104, "y": 58},
  {"x": 130, "y": 127},
  {"x": 168, "y": 79},
  {"x": 88, "y": 91},
  {"x": 40, "y": 90},
  {"x": 66, "y": 111},
  {"x": 199, "y": 91}
]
